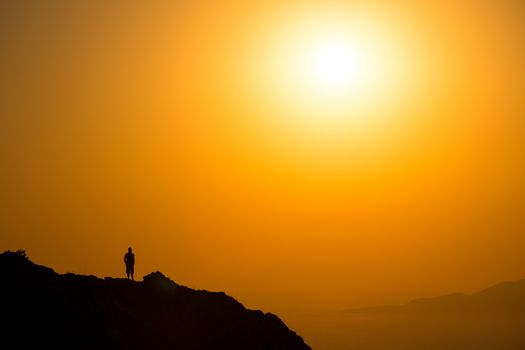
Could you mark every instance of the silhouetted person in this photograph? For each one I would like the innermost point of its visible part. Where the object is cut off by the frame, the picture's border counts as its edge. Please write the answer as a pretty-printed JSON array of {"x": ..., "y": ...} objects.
[{"x": 129, "y": 260}]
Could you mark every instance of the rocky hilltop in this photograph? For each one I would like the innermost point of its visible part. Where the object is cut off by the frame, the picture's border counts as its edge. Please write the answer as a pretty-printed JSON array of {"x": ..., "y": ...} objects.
[{"x": 46, "y": 310}]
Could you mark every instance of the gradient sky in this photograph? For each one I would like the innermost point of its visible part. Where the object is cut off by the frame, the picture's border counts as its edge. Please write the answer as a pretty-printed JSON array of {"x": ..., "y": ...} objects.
[{"x": 182, "y": 130}]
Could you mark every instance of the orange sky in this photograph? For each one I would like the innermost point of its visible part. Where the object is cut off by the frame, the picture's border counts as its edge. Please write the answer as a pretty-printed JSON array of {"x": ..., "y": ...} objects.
[{"x": 176, "y": 129}]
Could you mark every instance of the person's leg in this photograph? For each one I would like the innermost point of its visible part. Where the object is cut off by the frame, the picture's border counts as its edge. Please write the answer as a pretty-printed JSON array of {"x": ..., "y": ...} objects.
[{"x": 132, "y": 273}]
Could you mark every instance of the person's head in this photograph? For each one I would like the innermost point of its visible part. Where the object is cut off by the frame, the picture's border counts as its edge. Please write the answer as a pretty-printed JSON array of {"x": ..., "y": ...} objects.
[{"x": 129, "y": 249}]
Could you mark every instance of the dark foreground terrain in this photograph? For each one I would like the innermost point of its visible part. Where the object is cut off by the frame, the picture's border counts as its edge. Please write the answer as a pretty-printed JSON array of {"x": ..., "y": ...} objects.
[{"x": 41, "y": 309}]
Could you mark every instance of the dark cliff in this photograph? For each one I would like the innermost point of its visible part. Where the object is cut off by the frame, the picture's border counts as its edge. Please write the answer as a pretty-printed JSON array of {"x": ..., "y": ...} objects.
[{"x": 43, "y": 309}]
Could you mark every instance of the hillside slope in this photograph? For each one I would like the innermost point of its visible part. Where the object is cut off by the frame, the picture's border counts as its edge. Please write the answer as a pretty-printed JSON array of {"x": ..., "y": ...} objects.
[{"x": 42, "y": 309}]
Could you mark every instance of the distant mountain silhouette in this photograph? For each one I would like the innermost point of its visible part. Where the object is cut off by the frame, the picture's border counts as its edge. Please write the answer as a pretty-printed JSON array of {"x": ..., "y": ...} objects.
[
  {"x": 45, "y": 310},
  {"x": 493, "y": 319},
  {"x": 505, "y": 298}
]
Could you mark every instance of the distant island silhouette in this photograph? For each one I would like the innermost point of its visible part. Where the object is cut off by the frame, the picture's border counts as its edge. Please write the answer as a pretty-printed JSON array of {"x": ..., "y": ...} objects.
[
  {"x": 507, "y": 298},
  {"x": 44, "y": 310},
  {"x": 492, "y": 319}
]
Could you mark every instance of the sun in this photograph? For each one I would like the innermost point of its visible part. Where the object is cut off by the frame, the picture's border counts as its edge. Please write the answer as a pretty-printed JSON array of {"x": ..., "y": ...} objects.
[
  {"x": 335, "y": 64},
  {"x": 335, "y": 77},
  {"x": 349, "y": 73},
  {"x": 334, "y": 71}
]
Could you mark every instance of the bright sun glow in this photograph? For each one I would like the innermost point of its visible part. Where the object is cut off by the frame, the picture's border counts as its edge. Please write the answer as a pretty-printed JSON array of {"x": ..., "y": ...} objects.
[
  {"x": 335, "y": 77},
  {"x": 336, "y": 64}
]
